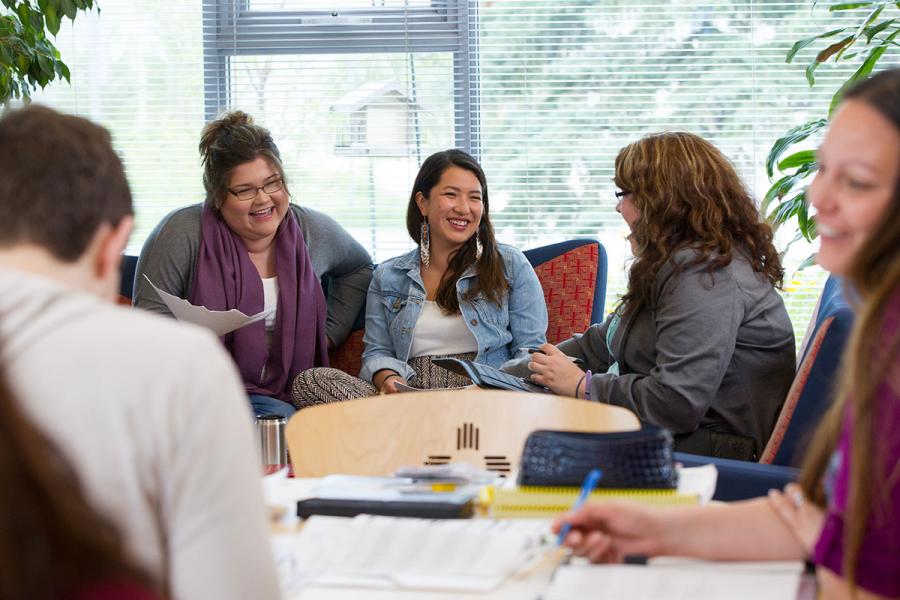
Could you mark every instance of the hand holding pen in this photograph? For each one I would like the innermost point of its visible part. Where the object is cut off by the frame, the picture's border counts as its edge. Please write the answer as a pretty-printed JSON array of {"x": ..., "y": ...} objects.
[{"x": 589, "y": 485}]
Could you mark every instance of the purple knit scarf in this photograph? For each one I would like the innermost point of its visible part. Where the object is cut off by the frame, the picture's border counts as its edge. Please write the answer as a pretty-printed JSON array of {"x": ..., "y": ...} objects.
[{"x": 226, "y": 278}]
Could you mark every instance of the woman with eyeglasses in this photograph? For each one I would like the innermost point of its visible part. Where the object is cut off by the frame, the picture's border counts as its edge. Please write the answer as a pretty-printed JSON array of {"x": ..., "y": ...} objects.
[
  {"x": 700, "y": 343},
  {"x": 844, "y": 516},
  {"x": 247, "y": 247}
]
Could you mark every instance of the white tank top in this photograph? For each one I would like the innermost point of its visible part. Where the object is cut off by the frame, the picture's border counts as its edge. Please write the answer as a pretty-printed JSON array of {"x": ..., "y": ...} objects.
[
  {"x": 270, "y": 300},
  {"x": 439, "y": 334}
]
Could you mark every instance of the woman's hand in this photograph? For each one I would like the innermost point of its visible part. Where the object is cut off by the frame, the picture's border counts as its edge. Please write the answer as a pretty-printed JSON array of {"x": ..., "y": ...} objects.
[
  {"x": 554, "y": 370},
  {"x": 390, "y": 385},
  {"x": 803, "y": 518},
  {"x": 386, "y": 381},
  {"x": 609, "y": 531}
]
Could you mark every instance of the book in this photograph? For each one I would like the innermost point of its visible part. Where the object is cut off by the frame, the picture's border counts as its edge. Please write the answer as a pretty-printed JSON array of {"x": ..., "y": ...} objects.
[
  {"x": 348, "y": 496},
  {"x": 533, "y": 501},
  {"x": 695, "y": 486}
]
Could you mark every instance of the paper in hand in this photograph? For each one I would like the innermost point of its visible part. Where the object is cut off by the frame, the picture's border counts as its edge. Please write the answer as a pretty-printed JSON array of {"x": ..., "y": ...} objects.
[{"x": 220, "y": 321}]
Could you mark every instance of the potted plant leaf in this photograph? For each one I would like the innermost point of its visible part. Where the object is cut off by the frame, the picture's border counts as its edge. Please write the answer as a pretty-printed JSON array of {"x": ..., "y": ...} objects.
[{"x": 872, "y": 30}]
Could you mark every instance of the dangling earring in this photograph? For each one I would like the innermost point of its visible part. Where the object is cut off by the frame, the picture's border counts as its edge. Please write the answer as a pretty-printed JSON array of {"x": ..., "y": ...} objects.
[
  {"x": 425, "y": 244},
  {"x": 479, "y": 249}
]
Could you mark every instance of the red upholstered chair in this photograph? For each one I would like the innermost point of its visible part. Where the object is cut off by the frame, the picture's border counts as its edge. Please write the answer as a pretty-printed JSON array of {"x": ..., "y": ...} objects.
[
  {"x": 348, "y": 356},
  {"x": 573, "y": 275}
]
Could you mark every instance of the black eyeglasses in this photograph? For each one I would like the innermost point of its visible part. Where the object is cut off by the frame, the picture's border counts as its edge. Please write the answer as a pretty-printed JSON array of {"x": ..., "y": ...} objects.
[
  {"x": 250, "y": 193},
  {"x": 621, "y": 194}
]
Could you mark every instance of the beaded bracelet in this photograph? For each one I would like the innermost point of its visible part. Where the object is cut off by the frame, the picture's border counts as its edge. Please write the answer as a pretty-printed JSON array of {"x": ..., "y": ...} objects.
[{"x": 587, "y": 384}]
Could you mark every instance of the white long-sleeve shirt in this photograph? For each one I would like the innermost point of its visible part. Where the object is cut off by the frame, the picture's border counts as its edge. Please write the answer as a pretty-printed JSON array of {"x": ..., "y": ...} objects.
[{"x": 153, "y": 416}]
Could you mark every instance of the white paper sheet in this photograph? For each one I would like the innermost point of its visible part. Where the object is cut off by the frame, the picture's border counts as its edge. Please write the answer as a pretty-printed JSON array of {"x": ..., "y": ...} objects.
[
  {"x": 700, "y": 481},
  {"x": 386, "y": 552},
  {"x": 697, "y": 581},
  {"x": 220, "y": 321}
]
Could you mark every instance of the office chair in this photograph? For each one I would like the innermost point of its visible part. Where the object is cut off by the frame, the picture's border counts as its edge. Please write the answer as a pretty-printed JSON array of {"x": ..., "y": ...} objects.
[{"x": 487, "y": 428}]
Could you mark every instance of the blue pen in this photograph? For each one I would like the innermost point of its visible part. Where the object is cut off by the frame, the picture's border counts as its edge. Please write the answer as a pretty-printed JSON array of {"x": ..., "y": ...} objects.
[{"x": 590, "y": 482}]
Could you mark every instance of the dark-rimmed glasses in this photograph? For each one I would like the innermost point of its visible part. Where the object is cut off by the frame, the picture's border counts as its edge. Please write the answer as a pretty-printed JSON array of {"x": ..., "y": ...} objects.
[
  {"x": 621, "y": 194},
  {"x": 271, "y": 187}
]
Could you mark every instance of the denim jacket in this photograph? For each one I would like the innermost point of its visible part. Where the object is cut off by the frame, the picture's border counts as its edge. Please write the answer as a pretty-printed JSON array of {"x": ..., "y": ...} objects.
[{"x": 395, "y": 300}]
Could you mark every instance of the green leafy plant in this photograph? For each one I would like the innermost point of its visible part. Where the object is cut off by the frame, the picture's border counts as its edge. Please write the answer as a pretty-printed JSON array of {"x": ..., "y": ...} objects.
[
  {"x": 862, "y": 43},
  {"x": 28, "y": 58}
]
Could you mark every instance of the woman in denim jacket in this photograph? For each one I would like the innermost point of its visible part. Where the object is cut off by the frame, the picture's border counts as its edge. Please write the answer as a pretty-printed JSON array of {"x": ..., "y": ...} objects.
[{"x": 460, "y": 293}]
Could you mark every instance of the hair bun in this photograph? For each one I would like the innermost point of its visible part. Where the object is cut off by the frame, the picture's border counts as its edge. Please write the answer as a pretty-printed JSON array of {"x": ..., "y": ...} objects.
[
  {"x": 216, "y": 135},
  {"x": 235, "y": 117}
]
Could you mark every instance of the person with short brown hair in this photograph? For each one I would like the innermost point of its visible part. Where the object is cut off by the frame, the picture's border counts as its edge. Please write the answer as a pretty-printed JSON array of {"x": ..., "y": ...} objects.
[{"x": 151, "y": 414}]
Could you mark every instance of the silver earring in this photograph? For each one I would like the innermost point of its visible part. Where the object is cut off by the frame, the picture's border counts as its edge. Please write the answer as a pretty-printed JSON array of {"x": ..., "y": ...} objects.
[
  {"x": 425, "y": 244},
  {"x": 479, "y": 249}
]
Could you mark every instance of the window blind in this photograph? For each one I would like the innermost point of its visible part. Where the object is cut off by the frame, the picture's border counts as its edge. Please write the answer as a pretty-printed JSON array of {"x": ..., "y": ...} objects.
[{"x": 357, "y": 93}]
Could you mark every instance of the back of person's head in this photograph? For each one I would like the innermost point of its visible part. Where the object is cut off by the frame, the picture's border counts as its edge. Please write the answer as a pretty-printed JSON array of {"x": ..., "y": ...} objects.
[
  {"x": 60, "y": 180},
  {"x": 491, "y": 280},
  {"x": 688, "y": 195},
  {"x": 871, "y": 356},
  {"x": 229, "y": 141},
  {"x": 53, "y": 543}
]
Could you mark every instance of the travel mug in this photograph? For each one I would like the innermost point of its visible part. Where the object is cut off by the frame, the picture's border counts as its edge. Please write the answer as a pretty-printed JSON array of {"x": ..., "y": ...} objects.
[{"x": 273, "y": 448}]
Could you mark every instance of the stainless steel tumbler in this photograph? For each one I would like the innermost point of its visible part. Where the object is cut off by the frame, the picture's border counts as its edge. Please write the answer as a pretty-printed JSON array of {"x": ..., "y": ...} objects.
[{"x": 273, "y": 447}]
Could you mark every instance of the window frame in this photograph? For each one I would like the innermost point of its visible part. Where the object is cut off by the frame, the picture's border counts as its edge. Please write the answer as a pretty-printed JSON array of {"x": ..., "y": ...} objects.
[{"x": 231, "y": 29}]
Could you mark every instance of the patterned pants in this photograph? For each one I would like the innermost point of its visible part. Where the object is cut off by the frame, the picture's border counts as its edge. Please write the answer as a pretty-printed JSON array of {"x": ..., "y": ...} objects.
[{"x": 322, "y": 385}]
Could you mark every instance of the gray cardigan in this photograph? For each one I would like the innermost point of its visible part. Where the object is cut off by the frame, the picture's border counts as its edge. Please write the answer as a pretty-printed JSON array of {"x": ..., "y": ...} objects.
[
  {"x": 715, "y": 351},
  {"x": 169, "y": 259}
]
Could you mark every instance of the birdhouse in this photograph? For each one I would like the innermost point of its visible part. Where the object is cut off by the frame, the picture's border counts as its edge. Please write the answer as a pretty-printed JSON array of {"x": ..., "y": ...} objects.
[{"x": 378, "y": 121}]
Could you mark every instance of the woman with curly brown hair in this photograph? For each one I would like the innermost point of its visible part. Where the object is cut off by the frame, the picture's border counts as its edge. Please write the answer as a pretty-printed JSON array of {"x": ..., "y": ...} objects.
[
  {"x": 701, "y": 343},
  {"x": 844, "y": 516}
]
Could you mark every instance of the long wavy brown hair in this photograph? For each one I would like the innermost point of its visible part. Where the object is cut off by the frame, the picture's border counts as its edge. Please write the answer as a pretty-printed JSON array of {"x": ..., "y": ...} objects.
[
  {"x": 871, "y": 358},
  {"x": 490, "y": 280},
  {"x": 688, "y": 196},
  {"x": 53, "y": 543}
]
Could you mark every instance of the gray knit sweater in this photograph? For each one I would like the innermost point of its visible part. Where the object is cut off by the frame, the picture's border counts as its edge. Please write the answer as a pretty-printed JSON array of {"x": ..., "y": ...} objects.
[{"x": 169, "y": 259}]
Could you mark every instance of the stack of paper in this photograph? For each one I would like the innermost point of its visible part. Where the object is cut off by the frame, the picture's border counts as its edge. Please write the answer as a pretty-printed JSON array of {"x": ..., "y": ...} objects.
[
  {"x": 688, "y": 580},
  {"x": 389, "y": 552}
]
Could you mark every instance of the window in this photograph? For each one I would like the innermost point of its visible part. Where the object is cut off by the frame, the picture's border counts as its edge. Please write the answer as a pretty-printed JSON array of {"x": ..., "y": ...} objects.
[{"x": 358, "y": 92}]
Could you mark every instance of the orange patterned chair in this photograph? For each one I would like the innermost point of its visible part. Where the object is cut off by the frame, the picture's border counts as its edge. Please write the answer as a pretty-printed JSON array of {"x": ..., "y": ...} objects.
[{"x": 573, "y": 275}]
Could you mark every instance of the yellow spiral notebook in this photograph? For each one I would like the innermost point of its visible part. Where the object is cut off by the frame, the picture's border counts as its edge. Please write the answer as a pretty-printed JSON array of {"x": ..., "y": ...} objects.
[{"x": 532, "y": 501}]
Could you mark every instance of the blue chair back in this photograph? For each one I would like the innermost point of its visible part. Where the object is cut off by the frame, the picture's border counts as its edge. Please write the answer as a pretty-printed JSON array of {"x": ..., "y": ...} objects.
[
  {"x": 816, "y": 375},
  {"x": 127, "y": 270}
]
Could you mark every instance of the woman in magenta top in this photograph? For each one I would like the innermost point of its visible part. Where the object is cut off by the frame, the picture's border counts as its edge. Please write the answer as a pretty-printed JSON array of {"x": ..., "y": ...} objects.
[{"x": 845, "y": 513}]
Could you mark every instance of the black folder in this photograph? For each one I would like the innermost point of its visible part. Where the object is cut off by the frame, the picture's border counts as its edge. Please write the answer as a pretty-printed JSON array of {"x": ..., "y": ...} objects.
[{"x": 341, "y": 507}]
